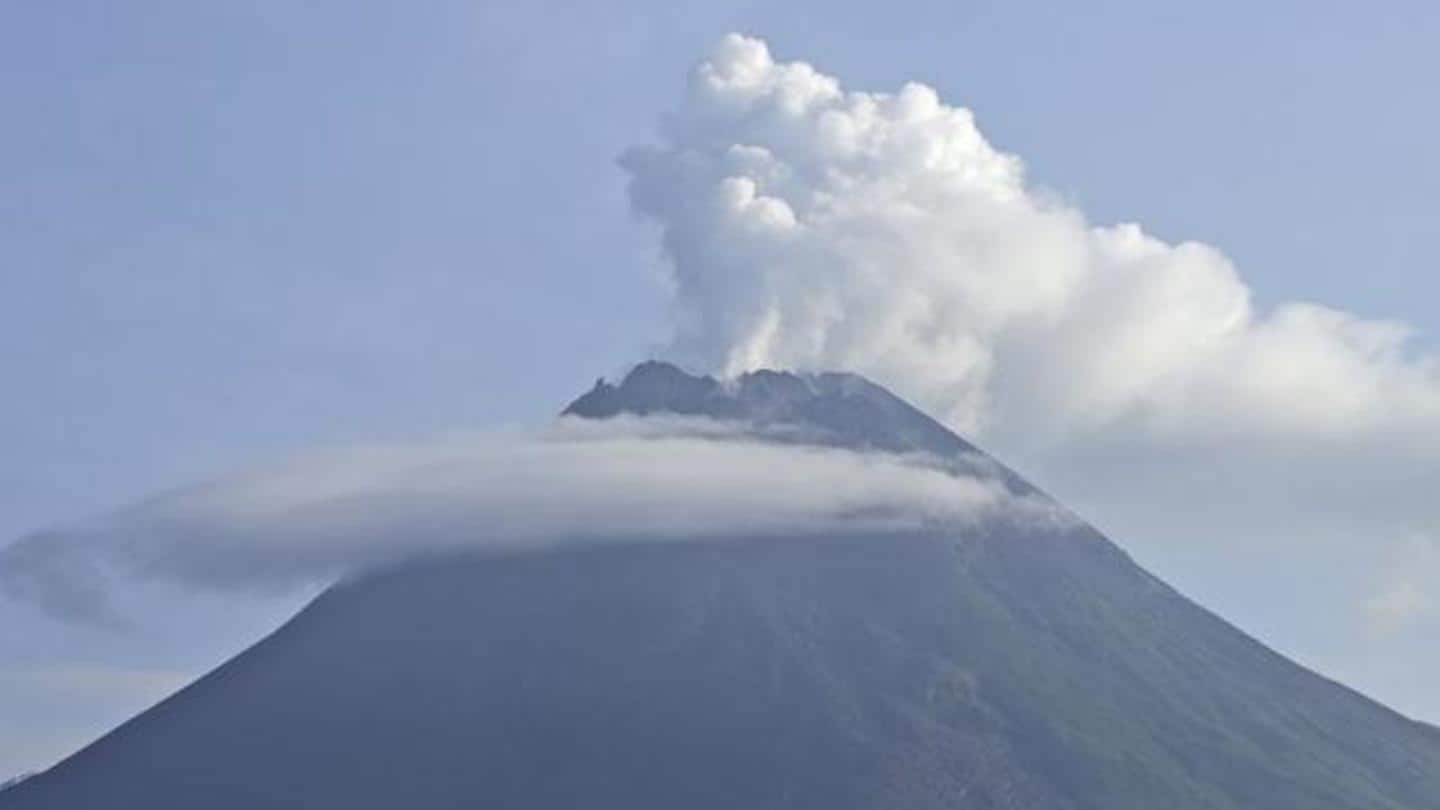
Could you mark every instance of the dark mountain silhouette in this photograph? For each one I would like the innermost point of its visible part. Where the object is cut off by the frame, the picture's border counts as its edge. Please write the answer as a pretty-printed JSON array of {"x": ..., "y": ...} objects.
[{"x": 1006, "y": 668}]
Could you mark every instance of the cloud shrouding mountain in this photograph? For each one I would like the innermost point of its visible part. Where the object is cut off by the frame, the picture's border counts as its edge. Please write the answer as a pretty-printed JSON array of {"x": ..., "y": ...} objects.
[
  {"x": 341, "y": 512},
  {"x": 808, "y": 226}
]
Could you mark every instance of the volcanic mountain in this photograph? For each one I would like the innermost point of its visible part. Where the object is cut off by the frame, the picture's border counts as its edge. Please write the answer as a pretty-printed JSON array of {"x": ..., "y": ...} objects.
[{"x": 1028, "y": 666}]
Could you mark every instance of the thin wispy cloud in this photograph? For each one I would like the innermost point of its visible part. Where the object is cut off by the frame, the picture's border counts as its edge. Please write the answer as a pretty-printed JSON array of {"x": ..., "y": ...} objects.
[{"x": 332, "y": 514}]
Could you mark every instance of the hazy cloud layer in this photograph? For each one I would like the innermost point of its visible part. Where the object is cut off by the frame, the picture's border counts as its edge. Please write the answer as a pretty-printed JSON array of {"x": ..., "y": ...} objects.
[
  {"x": 579, "y": 482},
  {"x": 808, "y": 226}
]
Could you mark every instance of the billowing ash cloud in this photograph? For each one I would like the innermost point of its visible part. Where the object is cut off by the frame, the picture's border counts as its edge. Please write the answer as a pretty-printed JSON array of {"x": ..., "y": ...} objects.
[
  {"x": 812, "y": 227},
  {"x": 808, "y": 226},
  {"x": 655, "y": 479}
]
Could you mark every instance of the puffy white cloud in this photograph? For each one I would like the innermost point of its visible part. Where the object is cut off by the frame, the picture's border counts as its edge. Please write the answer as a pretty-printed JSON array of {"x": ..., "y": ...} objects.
[
  {"x": 335, "y": 513},
  {"x": 811, "y": 227},
  {"x": 807, "y": 226}
]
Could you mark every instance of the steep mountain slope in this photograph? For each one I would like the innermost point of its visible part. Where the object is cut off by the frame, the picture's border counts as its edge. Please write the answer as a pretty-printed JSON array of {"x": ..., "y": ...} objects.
[{"x": 1007, "y": 668}]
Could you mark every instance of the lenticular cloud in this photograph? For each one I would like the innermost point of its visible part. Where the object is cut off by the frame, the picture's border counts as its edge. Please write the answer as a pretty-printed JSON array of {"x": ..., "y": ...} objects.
[{"x": 347, "y": 511}]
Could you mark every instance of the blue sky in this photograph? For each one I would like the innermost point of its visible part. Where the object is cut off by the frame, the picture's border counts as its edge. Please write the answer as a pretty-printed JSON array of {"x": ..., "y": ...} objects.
[{"x": 233, "y": 232}]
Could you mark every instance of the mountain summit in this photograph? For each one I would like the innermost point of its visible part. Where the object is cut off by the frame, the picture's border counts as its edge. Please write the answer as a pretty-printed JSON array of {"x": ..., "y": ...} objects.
[
  {"x": 840, "y": 409},
  {"x": 832, "y": 409},
  {"x": 1034, "y": 668}
]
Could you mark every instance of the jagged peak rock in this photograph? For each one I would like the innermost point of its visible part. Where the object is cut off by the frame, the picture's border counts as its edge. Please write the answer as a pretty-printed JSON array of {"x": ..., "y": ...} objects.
[{"x": 832, "y": 408}]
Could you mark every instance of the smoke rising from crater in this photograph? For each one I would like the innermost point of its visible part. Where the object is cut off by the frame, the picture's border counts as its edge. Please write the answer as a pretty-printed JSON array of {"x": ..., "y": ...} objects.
[
  {"x": 805, "y": 225},
  {"x": 812, "y": 227}
]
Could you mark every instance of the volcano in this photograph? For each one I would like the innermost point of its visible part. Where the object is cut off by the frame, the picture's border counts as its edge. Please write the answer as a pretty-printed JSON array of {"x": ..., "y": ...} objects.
[{"x": 1032, "y": 667}]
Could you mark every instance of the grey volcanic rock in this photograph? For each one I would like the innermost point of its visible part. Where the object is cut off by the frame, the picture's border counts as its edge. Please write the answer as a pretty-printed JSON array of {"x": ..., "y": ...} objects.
[
  {"x": 844, "y": 410},
  {"x": 841, "y": 409},
  {"x": 1032, "y": 668}
]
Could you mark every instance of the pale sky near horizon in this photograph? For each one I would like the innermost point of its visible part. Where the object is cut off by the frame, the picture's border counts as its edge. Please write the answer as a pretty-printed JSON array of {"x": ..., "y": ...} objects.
[{"x": 234, "y": 232}]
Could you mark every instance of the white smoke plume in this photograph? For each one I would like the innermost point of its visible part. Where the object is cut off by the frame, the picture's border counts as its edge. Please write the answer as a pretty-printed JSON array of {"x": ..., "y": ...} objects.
[
  {"x": 812, "y": 227},
  {"x": 346, "y": 511},
  {"x": 807, "y": 226}
]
